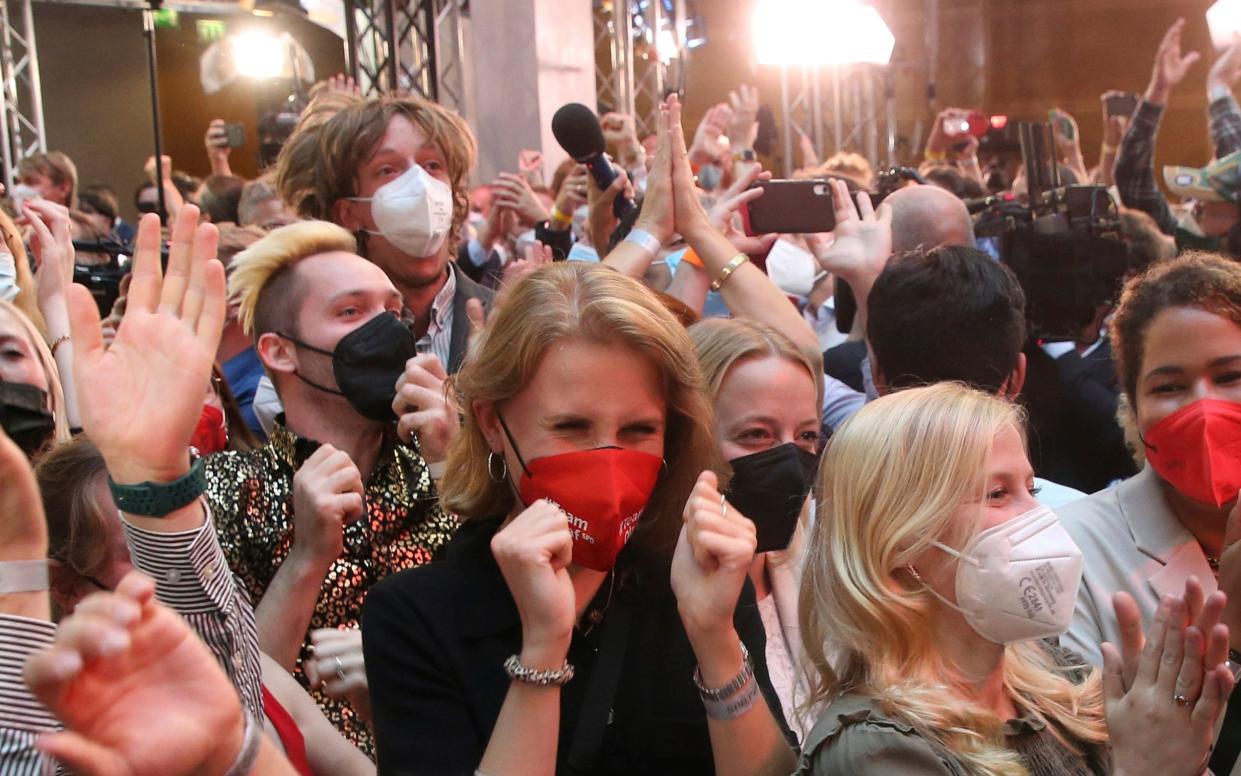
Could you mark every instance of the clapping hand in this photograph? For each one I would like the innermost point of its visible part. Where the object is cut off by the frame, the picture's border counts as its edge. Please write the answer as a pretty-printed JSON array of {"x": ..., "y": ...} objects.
[
  {"x": 1163, "y": 700},
  {"x": 138, "y": 692},
  {"x": 1171, "y": 66}
]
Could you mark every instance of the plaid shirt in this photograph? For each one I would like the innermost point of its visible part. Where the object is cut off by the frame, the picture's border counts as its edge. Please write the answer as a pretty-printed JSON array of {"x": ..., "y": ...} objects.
[
  {"x": 1135, "y": 167},
  {"x": 1225, "y": 126}
]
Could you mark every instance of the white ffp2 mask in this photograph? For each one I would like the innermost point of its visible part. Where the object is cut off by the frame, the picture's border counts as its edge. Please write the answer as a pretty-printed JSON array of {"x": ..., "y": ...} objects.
[
  {"x": 8, "y": 277},
  {"x": 1018, "y": 581},
  {"x": 792, "y": 268},
  {"x": 412, "y": 211}
]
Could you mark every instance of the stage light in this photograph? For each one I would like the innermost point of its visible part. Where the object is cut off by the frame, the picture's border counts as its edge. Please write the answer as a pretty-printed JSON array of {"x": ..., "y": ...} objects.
[
  {"x": 259, "y": 54},
  {"x": 1224, "y": 21},
  {"x": 999, "y": 122},
  {"x": 666, "y": 46},
  {"x": 820, "y": 32}
]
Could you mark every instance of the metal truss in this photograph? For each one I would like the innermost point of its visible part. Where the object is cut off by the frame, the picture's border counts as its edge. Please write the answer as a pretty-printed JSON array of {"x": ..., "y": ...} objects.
[
  {"x": 640, "y": 54},
  {"x": 21, "y": 109},
  {"x": 391, "y": 45}
]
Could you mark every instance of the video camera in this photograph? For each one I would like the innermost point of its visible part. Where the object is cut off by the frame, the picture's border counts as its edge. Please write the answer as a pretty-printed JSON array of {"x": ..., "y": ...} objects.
[
  {"x": 1063, "y": 245},
  {"x": 102, "y": 280}
]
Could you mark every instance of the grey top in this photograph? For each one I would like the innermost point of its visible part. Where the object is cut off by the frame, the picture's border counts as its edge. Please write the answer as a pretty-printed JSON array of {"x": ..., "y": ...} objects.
[{"x": 854, "y": 736}]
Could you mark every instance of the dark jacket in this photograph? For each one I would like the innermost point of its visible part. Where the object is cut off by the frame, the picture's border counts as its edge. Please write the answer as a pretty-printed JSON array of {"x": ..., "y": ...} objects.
[
  {"x": 436, "y": 639},
  {"x": 466, "y": 290}
]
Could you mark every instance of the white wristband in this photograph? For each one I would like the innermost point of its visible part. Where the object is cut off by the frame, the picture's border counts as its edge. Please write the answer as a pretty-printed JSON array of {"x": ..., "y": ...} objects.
[
  {"x": 23, "y": 576},
  {"x": 645, "y": 240}
]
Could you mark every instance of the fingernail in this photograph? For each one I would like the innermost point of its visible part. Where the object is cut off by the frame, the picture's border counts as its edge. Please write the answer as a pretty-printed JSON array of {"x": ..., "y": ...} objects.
[
  {"x": 65, "y": 664},
  {"x": 114, "y": 641}
]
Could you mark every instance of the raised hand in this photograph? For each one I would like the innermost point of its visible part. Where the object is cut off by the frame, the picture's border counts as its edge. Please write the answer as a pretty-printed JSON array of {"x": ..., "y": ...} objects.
[
  {"x": 530, "y": 165},
  {"x": 620, "y": 132},
  {"x": 423, "y": 408},
  {"x": 139, "y": 693},
  {"x": 534, "y": 551},
  {"x": 743, "y": 129},
  {"x": 338, "y": 667},
  {"x": 711, "y": 560},
  {"x": 710, "y": 143},
  {"x": 573, "y": 192},
  {"x": 862, "y": 240},
  {"x": 601, "y": 220},
  {"x": 1163, "y": 721},
  {"x": 514, "y": 192},
  {"x": 215, "y": 140},
  {"x": 344, "y": 84},
  {"x": 327, "y": 496},
  {"x": 52, "y": 245},
  {"x": 691, "y": 216},
  {"x": 141, "y": 397},
  {"x": 658, "y": 214},
  {"x": 1226, "y": 70},
  {"x": 537, "y": 255},
  {"x": 724, "y": 213},
  {"x": 1171, "y": 66}
]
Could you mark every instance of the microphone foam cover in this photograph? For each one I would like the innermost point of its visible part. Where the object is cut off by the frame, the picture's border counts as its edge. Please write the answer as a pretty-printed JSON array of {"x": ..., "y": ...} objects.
[{"x": 577, "y": 130}]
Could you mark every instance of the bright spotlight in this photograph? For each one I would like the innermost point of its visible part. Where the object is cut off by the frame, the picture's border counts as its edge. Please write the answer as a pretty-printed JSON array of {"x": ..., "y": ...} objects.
[
  {"x": 1224, "y": 21},
  {"x": 259, "y": 54},
  {"x": 666, "y": 46},
  {"x": 820, "y": 32}
]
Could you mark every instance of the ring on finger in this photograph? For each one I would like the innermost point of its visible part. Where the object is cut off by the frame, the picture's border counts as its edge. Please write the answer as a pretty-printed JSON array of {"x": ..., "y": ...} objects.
[
  {"x": 340, "y": 668},
  {"x": 1180, "y": 700},
  {"x": 723, "y": 507}
]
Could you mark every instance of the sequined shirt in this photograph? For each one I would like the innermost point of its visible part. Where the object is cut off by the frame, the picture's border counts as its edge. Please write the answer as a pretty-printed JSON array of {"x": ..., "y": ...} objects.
[{"x": 251, "y": 497}]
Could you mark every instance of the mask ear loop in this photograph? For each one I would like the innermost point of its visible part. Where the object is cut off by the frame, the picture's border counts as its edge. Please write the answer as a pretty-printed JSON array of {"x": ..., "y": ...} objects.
[
  {"x": 312, "y": 349},
  {"x": 513, "y": 444}
]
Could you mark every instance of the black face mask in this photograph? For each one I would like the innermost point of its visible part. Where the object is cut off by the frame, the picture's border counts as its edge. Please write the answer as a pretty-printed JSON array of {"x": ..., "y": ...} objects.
[
  {"x": 23, "y": 417},
  {"x": 268, "y": 153},
  {"x": 769, "y": 488},
  {"x": 367, "y": 363}
]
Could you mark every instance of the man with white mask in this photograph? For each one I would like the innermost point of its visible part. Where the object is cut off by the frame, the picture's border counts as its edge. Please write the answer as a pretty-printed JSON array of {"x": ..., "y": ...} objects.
[{"x": 393, "y": 170}]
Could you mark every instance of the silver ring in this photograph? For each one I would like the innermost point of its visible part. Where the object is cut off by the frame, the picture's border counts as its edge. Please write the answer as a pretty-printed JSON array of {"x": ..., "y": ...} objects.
[
  {"x": 723, "y": 507},
  {"x": 1180, "y": 700},
  {"x": 340, "y": 668}
]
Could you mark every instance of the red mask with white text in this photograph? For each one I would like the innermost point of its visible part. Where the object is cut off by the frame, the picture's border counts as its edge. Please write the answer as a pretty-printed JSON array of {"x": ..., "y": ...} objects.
[
  {"x": 1197, "y": 450},
  {"x": 211, "y": 434},
  {"x": 603, "y": 491}
]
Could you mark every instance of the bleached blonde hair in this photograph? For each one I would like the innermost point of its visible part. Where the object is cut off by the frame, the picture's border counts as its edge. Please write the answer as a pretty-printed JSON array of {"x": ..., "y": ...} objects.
[
  {"x": 55, "y": 393},
  {"x": 893, "y": 479},
  {"x": 258, "y": 276}
]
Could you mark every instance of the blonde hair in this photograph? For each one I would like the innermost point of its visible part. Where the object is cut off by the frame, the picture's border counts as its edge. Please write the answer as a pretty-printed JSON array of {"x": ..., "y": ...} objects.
[
  {"x": 255, "y": 270},
  {"x": 27, "y": 300},
  {"x": 58, "y": 168},
  {"x": 55, "y": 393},
  {"x": 320, "y": 162},
  {"x": 591, "y": 302},
  {"x": 721, "y": 342},
  {"x": 893, "y": 478}
]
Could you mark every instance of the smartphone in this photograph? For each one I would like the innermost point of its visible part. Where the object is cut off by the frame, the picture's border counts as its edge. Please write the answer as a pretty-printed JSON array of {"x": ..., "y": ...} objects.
[
  {"x": 974, "y": 123},
  {"x": 235, "y": 134},
  {"x": 1121, "y": 105},
  {"x": 1064, "y": 125},
  {"x": 790, "y": 207}
]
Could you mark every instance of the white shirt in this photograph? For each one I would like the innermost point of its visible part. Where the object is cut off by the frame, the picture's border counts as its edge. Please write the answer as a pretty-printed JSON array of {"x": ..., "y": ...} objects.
[{"x": 438, "y": 339}]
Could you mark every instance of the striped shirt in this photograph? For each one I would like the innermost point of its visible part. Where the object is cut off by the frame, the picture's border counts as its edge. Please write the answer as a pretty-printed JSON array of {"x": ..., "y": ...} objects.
[
  {"x": 192, "y": 578},
  {"x": 22, "y": 718},
  {"x": 438, "y": 337}
]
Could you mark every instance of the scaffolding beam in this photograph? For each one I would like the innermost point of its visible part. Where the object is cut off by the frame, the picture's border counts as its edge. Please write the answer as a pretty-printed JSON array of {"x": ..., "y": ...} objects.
[
  {"x": 22, "y": 132},
  {"x": 392, "y": 45}
]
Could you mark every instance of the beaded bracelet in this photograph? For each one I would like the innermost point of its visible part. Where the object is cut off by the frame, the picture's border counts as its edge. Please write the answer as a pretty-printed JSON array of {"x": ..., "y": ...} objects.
[{"x": 519, "y": 673}]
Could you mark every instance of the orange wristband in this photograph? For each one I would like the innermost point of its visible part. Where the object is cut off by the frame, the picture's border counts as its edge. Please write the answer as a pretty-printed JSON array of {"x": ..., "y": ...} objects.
[{"x": 690, "y": 257}]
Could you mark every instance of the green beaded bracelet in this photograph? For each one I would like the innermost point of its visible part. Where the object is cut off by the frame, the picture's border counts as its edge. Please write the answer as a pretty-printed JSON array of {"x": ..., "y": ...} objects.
[{"x": 157, "y": 499}]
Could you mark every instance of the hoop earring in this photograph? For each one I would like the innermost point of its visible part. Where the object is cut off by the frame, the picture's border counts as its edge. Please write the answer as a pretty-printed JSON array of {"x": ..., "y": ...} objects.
[{"x": 491, "y": 469}]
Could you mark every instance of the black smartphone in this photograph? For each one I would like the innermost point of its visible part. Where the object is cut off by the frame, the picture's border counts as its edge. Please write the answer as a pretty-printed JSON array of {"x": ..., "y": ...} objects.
[
  {"x": 1121, "y": 104},
  {"x": 236, "y": 134},
  {"x": 791, "y": 207}
]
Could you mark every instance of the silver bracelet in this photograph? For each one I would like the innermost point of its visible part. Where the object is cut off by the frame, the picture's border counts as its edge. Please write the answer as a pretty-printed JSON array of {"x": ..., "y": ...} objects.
[
  {"x": 645, "y": 240},
  {"x": 735, "y": 705},
  {"x": 249, "y": 749},
  {"x": 733, "y": 687},
  {"x": 519, "y": 673}
]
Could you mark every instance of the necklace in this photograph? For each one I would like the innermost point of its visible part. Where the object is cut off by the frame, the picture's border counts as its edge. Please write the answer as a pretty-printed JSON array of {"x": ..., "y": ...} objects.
[{"x": 595, "y": 616}]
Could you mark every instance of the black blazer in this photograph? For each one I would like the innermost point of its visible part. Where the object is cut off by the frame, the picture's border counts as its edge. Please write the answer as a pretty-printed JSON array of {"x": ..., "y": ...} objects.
[
  {"x": 466, "y": 290},
  {"x": 436, "y": 637}
]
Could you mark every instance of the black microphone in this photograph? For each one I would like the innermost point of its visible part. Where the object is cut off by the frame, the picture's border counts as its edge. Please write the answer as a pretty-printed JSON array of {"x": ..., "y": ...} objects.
[{"x": 577, "y": 130}]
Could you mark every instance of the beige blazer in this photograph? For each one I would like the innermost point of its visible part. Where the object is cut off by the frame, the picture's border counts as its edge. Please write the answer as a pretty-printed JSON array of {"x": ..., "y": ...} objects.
[{"x": 1130, "y": 541}]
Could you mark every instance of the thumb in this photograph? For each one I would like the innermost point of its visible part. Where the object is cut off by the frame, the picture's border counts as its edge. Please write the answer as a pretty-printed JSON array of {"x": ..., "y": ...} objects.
[
  {"x": 477, "y": 316},
  {"x": 709, "y": 479},
  {"x": 84, "y": 326},
  {"x": 82, "y": 755}
]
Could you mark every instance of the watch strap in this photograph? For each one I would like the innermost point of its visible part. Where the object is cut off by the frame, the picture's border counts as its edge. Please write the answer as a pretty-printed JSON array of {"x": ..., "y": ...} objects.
[{"x": 157, "y": 499}]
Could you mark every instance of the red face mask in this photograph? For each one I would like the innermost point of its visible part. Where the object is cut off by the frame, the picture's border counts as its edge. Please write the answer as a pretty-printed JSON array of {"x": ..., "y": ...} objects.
[
  {"x": 1197, "y": 450},
  {"x": 211, "y": 435},
  {"x": 603, "y": 491}
]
